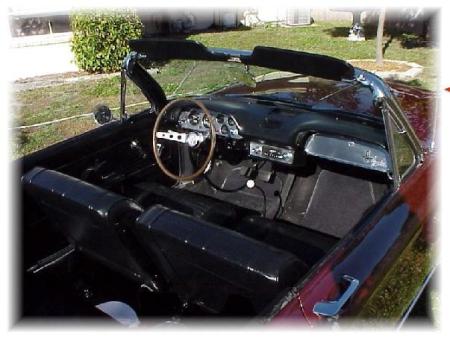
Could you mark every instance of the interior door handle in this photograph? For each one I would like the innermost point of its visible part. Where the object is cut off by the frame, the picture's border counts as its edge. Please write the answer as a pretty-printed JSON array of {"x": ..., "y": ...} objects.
[{"x": 333, "y": 308}]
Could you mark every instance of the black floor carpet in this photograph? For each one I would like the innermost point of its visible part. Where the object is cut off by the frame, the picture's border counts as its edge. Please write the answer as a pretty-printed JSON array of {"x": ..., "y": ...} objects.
[{"x": 336, "y": 203}]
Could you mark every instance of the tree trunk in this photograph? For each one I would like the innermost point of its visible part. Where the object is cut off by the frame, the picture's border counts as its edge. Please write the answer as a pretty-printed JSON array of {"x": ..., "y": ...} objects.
[{"x": 380, "y": 36}]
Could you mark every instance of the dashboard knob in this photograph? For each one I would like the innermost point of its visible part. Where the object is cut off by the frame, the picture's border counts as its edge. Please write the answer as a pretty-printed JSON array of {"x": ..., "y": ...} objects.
[{"x": 250, "y": 184}]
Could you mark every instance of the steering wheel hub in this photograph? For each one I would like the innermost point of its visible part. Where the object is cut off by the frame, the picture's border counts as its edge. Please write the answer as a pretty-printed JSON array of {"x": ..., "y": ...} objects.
[{"x": 194, "y": 139}]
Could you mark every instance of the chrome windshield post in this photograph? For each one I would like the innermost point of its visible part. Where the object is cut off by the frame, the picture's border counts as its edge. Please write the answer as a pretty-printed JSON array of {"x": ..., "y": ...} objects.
[
  {"x": 391, "y": 111},
  {"x": 391, "y": 143},
  {"x": 123, "y": 92},
  {"x": 126, "y": 64}
]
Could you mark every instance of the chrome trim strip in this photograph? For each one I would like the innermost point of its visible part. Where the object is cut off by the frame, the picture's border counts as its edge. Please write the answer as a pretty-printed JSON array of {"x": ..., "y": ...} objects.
[
  {"x": 416, "y": 298},
  {"x": 406, "y": 126},
  {"x": 391, "y": 146}
]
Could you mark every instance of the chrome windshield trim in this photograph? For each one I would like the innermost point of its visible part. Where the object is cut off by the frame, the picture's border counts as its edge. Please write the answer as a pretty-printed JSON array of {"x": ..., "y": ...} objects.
[{"x": 390, "y": 108}]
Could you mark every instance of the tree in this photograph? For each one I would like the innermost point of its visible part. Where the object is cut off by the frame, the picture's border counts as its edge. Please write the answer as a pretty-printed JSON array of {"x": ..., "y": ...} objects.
[{"x": 380, "y": 29}]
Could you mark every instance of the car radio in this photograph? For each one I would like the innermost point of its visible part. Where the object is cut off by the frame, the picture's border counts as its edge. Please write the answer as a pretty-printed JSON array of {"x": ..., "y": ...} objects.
[{"x": 271, "y": 152}]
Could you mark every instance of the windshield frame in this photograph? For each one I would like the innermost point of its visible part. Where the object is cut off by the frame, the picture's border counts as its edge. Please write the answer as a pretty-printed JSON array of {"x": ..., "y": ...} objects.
[{"x": 146, "y": 49}]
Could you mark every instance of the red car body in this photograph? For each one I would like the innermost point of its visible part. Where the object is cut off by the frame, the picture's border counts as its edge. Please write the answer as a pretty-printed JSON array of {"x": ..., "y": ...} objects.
[
  {"x": 387, "y": 255},
  {"x": 402, "y": 222}
]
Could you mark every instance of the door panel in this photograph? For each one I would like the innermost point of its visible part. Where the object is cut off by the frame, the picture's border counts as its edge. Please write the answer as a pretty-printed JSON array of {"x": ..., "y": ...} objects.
[{"x": 387, "y": 252}]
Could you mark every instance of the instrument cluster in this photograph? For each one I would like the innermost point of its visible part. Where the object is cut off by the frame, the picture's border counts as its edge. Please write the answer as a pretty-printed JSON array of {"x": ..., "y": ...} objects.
[{"x": 224, "y": 124}]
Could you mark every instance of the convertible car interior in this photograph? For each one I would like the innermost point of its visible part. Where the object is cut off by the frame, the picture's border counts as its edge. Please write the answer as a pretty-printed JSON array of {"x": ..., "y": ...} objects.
[{"x": 231, "y": 201}]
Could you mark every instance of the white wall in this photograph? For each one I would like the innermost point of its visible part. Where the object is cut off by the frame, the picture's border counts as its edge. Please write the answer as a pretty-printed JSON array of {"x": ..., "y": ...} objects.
[
  {"x": 325, "y": 14},
  {"x": 273, "y": 14}
]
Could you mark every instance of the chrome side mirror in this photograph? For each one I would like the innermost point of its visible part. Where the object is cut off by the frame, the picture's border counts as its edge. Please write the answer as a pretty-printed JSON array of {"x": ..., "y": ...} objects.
[{"x": 102, "y": 114}]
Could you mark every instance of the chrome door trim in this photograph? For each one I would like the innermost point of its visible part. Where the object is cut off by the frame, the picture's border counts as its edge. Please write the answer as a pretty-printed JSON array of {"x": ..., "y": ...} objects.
[
  {"x": 331, "y": 309},
  {"x": 416, "y": 298}
]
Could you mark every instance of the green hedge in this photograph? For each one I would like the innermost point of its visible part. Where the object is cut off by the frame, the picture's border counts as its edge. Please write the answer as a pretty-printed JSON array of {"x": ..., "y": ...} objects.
[{"x": 100, "y": 39}]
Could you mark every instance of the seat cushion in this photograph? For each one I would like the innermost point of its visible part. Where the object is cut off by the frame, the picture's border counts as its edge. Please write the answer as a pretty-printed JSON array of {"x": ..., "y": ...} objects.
[
  {"x": 208, "y": 264},
  {"x": 90, "y": 217}
]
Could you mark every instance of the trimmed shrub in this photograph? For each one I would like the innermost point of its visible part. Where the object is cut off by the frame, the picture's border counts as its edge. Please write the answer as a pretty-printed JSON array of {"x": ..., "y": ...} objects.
[
  {"x": 411, "y": 40},
  {"x": 100, "y": 39}
]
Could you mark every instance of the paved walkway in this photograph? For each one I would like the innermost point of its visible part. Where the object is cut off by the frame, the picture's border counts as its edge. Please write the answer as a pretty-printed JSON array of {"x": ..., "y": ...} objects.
[{"x": 49, "y": 80}]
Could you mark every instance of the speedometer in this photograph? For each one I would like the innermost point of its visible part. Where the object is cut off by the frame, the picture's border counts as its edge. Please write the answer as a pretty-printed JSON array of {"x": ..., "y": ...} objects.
[{"x": 194, "y": 118}]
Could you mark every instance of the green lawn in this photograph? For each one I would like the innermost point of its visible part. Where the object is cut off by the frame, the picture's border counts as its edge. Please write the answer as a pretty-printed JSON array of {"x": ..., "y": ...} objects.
[
  {"x": 328, "y": 38},
  {"x": 43, "y": 104}
]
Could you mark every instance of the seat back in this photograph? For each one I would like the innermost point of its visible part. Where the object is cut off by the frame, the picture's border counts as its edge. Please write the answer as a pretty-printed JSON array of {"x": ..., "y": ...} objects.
[
  {"x": 90, "y": 217},
  {"x": 210, "y": 265}
]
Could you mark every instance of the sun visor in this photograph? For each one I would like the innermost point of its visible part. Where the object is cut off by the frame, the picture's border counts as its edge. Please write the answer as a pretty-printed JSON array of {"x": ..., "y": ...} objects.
[
  {"x": 168, "y": 49},
  {"x": 315, "y": 65}
]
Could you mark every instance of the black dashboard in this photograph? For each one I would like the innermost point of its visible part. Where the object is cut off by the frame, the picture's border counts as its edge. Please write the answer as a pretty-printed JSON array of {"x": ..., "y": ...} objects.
[
  {"x": 284, "y": 133},
  {"x": 281, "y": 124}
]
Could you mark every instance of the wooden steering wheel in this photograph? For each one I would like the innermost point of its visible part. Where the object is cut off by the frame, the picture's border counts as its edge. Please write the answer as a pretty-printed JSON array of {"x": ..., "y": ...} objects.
[{"x": 192, "y": 139}]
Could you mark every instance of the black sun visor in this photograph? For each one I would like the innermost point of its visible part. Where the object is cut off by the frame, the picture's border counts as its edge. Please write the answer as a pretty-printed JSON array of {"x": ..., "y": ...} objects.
[{"x": 315, "y": 65}]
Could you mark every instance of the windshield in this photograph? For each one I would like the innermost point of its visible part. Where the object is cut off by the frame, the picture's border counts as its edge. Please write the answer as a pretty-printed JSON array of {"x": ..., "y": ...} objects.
[{"x": 180, "y": 78}]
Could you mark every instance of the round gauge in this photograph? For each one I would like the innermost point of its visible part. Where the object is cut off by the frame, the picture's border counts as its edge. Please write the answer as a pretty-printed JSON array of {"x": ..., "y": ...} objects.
[
  {"x": 220, "y": 118},
  {"x": 194, "y": 118},
  {"x": 224, "y": 130},
  {"x": 231, "y": 121},
  {"x": 205, "y": 122}
]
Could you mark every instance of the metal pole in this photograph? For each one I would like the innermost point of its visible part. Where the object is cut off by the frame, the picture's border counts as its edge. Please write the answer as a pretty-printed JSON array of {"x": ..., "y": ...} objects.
[
  {"x": 380, "y": 36},
  {"x": 123, "y": 91}
]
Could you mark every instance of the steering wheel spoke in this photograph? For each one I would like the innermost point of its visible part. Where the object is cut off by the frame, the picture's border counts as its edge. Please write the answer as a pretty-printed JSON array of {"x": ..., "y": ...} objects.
[
  {"x": 193, "y": 138},
  {"x": 179, "y": 137}
]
